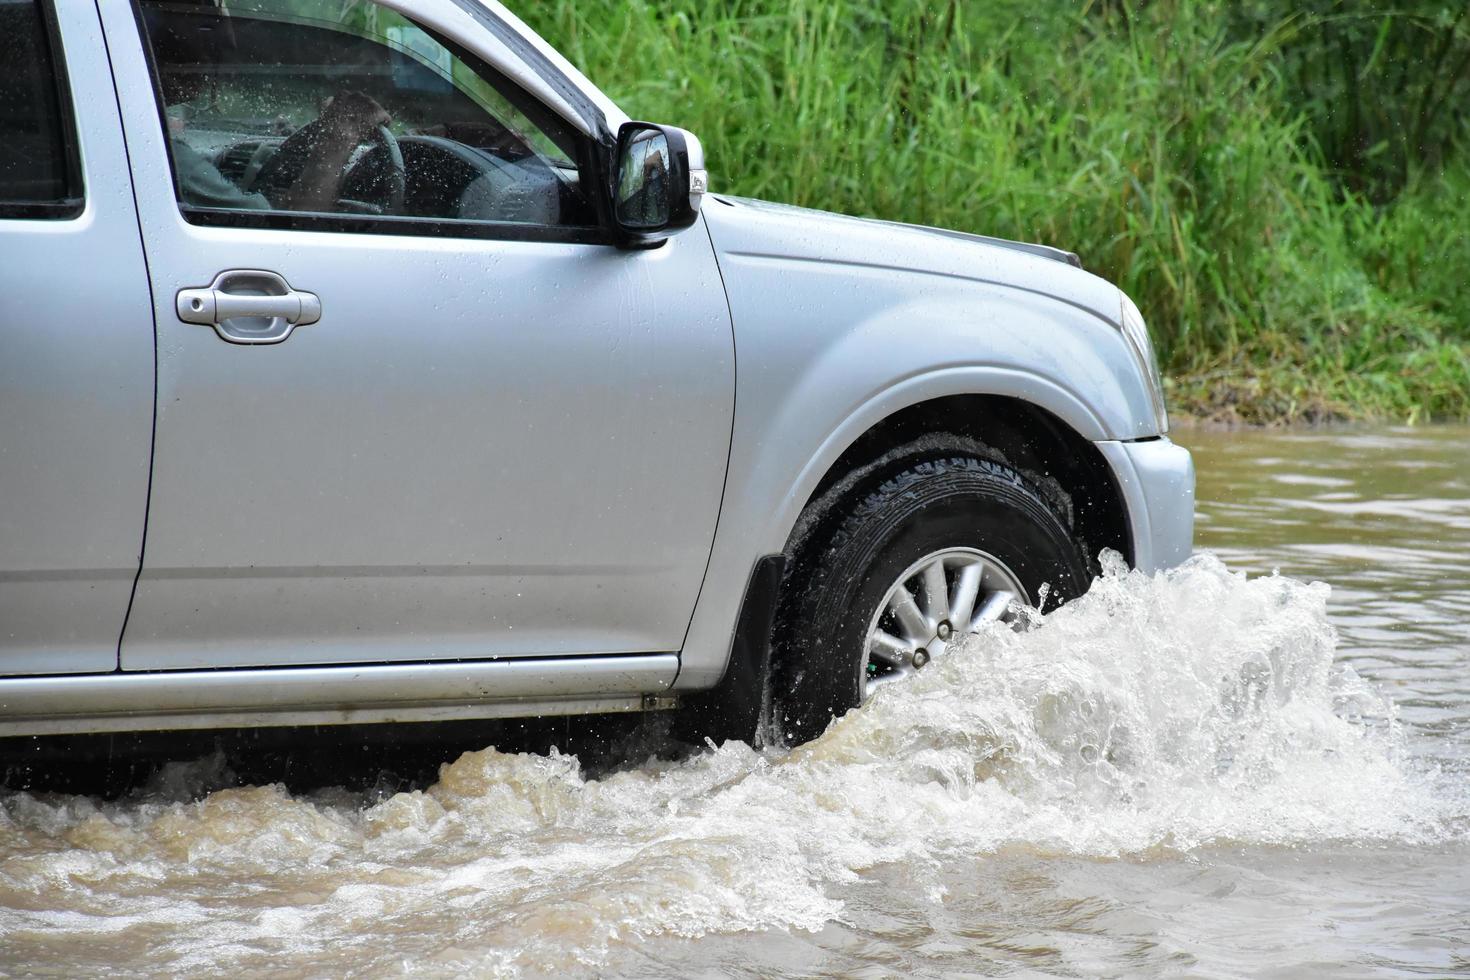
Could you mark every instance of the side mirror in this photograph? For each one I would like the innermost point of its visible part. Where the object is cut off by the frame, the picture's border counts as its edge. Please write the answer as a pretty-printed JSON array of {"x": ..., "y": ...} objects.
[{"x": 658, "y": 183}]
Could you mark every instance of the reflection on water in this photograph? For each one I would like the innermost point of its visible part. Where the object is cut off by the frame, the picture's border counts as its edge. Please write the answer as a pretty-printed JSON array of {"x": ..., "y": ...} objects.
[{"x": 1196, "y": 774}]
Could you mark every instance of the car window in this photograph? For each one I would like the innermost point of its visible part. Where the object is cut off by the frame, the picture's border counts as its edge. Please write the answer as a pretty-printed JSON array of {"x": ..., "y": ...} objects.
[
  {"x": 39, "y": 172},
  {"x": 348, "y": 107}
]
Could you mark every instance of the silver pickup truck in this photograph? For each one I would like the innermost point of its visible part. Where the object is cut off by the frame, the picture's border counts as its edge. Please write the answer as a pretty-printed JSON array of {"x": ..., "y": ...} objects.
[{"x": 362, "y": 362}]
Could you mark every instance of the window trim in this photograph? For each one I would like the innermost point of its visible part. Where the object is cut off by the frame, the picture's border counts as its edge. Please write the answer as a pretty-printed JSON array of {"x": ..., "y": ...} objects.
[
  {"x": 591, "y": 115},
  {"x": 66, "y": 208},
  {"x": 394, "y": 224},
  {"x": 592, "y": 166}
]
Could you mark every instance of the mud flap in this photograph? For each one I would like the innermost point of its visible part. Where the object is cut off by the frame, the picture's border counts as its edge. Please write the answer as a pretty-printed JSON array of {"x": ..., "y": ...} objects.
[{"x": 735, "y": 707}]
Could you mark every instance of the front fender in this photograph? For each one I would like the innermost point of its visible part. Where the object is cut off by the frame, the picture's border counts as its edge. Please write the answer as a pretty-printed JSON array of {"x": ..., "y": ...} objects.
[{"x": 827, "y": 350}]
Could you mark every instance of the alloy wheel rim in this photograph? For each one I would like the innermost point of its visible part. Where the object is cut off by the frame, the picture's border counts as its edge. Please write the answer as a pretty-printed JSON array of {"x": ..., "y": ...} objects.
[{"x": 938, "y": 599}]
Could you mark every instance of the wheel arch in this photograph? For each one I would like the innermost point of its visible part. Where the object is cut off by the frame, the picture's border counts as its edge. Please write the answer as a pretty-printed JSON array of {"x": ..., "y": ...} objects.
[{"x": 1023, "y": 433}]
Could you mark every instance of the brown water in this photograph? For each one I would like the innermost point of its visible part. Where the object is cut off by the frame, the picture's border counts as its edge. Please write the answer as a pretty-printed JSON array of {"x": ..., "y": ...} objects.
[{"x": 1218, "y": 772}]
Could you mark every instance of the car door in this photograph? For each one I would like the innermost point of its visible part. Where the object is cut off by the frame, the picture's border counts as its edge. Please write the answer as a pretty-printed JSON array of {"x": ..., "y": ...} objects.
[
  {"x": 76, "y": 348},
  {"x": 487, "y": 432}
]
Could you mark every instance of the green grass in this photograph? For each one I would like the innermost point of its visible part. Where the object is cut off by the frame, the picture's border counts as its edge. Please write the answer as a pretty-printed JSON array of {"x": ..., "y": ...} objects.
[{"x": 1161, "y": 144}]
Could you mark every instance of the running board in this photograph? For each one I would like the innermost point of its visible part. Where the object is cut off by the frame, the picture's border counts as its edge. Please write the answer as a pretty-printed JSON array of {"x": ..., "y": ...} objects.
[{"x": 344, "y": 695}]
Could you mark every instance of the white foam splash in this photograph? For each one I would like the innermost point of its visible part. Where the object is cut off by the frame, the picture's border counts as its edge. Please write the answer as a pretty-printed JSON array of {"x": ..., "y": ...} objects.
[{"x": 1154, "y": 716}]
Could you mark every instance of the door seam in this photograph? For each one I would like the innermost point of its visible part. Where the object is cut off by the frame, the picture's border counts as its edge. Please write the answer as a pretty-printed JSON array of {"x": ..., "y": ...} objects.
[
  {"x": 729, "y": 446},
  {"x": 153, "y": 317}
]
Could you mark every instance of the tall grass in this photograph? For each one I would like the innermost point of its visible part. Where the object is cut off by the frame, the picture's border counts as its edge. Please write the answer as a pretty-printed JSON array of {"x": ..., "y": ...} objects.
[{"x": 1165, "y": 144}]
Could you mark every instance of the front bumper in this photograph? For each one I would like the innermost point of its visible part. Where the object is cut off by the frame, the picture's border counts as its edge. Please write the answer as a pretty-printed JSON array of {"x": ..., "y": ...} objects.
[{"x": 1156, "y": 478}]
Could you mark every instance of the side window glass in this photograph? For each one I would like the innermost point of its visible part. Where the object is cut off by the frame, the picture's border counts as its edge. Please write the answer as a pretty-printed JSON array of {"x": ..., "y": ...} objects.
[
  {"x": 348, "y": 107},
  {"x": 39, "y": 172}
]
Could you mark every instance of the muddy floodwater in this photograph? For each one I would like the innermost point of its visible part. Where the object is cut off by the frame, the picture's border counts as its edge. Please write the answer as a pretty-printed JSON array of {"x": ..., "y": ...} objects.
[{"x": 1229, "y": 770}]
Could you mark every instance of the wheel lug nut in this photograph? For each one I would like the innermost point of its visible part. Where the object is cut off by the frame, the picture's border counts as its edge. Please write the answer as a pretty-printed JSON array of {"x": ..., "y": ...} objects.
[
  {"x": 921, "y": 657},
  {"x": 945, "y": 630}
]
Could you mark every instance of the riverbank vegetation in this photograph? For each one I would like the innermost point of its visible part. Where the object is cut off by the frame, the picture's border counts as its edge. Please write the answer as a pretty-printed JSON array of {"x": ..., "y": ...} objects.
[{"x": 1284, "y": 188}]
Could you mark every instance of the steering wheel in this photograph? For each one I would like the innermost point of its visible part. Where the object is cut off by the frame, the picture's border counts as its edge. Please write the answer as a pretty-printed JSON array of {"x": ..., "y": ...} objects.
[
  {"x": 289, "y": 162},
  {"x": 397, "y": 174}
]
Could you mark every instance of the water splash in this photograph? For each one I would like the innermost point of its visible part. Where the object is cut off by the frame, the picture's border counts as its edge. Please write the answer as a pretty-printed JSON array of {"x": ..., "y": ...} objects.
[{"x": 1153, "y": 717}]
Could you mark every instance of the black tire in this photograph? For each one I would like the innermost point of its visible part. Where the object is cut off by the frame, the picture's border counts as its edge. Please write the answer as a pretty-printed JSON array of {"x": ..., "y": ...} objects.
[{"x": 951, "y": 493}]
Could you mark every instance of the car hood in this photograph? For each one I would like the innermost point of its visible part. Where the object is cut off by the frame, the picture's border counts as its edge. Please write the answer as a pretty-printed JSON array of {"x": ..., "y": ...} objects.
[
  {"x": 744, "y": 226},
  {"x": 1030, "y": 248}
]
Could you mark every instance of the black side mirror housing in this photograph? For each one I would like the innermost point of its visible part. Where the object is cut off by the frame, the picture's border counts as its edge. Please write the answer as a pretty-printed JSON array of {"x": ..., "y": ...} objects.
[{"x": 658, "y": 182}]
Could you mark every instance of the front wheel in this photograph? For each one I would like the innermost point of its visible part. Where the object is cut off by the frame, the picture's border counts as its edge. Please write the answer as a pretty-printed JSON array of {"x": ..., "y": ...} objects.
[{"x": 941, "y": 546}]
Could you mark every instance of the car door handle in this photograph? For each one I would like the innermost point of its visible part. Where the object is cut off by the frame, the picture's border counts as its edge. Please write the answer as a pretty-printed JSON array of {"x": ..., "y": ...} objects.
[{"x": 249, "y": 306}]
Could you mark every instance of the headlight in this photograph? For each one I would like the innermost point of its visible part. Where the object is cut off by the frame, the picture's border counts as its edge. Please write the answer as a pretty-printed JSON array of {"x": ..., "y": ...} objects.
[{"x": 1136, "y": 332}]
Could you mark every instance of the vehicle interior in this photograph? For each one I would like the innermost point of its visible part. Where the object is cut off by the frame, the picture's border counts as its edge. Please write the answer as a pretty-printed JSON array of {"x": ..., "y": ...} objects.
[{"x": 463, "y": 142}]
